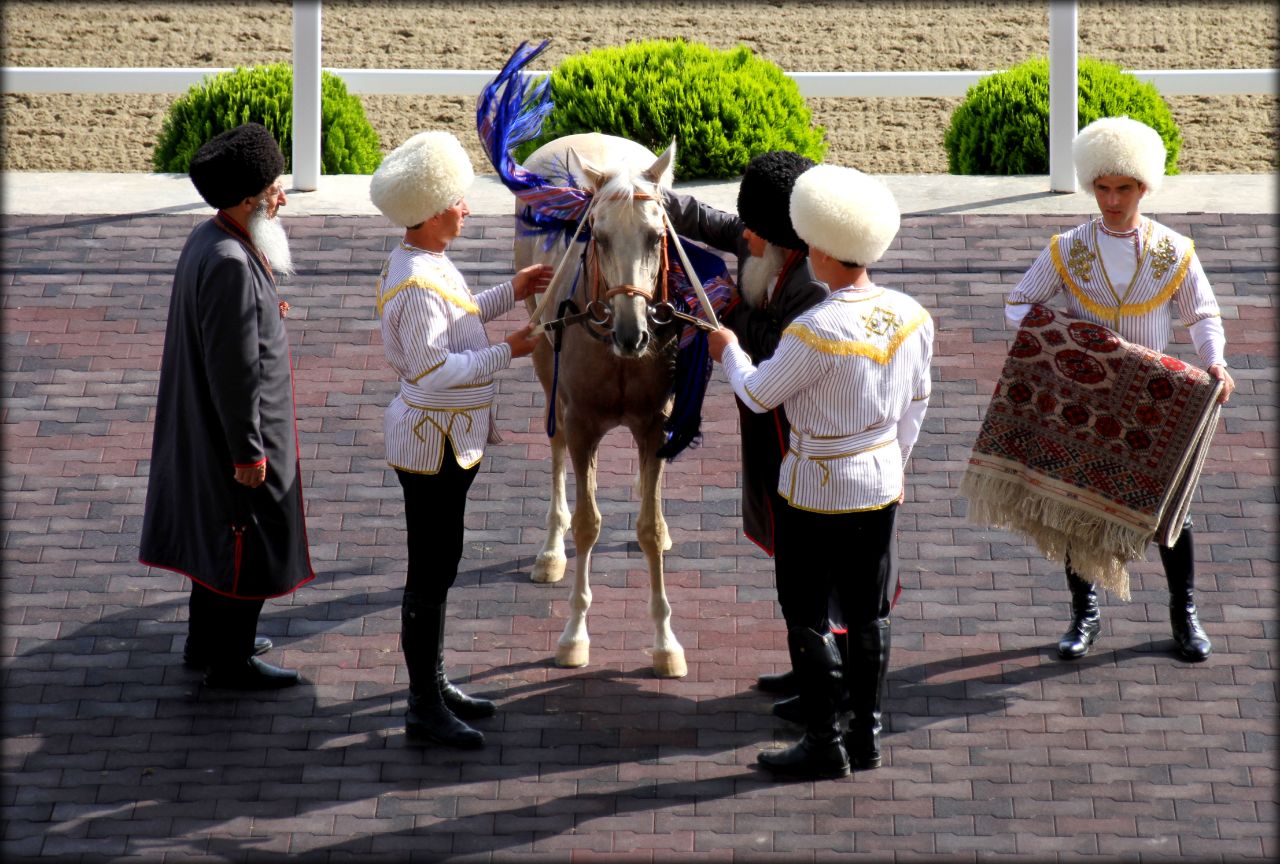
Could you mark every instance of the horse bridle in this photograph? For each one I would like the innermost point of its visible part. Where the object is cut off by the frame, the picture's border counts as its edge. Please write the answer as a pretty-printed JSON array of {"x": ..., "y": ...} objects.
[{"x": 598, "y": 313}]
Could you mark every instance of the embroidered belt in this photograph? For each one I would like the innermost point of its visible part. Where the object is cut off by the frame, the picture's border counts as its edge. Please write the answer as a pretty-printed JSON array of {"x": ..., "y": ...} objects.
[
  {"x": 821, "y": 449},
  {"x": 447, "y": 400},
  {"x": 456, "y": 402},
  {"x": 838, "y": 446}
]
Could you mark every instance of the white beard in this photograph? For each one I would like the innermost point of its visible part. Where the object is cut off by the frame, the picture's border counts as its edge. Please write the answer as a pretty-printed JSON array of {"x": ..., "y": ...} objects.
[
  {"x": 758, "y": 275},
  {"x": 270, "y": 239}
]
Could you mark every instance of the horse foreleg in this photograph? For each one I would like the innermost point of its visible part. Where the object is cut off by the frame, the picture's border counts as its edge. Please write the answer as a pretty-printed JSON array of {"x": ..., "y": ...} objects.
[
  {"x": 574, "y": 648},
  {"x": 651, "y": 533},
  {"x": 550, "y": 563},
  {"x": 664, "y": 536}
]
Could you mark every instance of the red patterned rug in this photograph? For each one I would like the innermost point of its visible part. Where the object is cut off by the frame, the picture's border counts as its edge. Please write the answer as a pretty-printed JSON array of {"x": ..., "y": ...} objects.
[{"x": 1091, "y": 446}]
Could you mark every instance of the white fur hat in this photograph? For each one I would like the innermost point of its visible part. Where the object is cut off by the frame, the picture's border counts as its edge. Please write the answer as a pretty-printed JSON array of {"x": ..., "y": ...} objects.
[
  {"x": 420, "y": 178},
  {"x": 849, "y": 215},
  {"x": 1119, "y": 145}
]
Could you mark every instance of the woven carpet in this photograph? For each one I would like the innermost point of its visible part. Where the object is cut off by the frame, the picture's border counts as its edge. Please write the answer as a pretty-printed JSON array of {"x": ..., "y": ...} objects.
[{"x": 1091, "y": 446}]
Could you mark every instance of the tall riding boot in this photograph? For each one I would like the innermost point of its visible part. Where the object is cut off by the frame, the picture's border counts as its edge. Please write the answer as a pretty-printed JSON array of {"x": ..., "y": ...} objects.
[
  {"x": 820, "y": 753},
  {"x": 789, "y": 709},
  {"x": 868, "y": 668},
  {"x": 422, "y": 640},
  {"x": 462, "y": 705},
  {"x": 1180, "y": 572},
  {"x": 1086, "y": 618}
]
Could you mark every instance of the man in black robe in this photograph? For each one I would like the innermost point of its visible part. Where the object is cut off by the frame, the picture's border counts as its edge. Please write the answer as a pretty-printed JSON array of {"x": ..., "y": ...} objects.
[
  {"x": 775, "y": 284},
  {"x": 224, "y": 501}
]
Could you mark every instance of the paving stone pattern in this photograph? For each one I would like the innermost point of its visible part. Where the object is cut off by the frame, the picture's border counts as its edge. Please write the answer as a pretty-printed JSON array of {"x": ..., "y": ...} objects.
[{"x": 995, "y": 749}]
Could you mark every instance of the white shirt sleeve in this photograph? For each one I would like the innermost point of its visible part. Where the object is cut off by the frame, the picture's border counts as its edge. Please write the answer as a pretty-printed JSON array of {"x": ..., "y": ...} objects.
[
  {"x": 423, "y": 325},
  {"x": 1039, "y": 284},
  {"x": 793, "y": 367}
]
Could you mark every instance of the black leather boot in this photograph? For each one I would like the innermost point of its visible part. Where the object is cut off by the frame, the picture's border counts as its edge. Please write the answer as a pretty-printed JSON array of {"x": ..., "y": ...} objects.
[
  {"x": 782, "y": 683},
  {"x": 250, "y": 674},
  {"x": 1180, "y": 572},
  {"x": 867, "y": 668},
  {"x": 422, "y": 641},
  {"x": 820, "y": 753},
  {"x": 789, "y": 709},
  {"x": 462, "y": 705},
  {"x": 1086, "y": 618},
  {"x": 194, "y": 655}
]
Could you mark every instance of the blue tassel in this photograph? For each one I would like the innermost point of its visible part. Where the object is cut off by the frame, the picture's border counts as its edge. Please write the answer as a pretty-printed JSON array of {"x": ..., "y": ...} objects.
[{"x": 693, "y": 372}]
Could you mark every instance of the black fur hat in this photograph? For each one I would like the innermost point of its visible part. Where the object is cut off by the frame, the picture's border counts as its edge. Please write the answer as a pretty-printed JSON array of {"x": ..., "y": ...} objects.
[
  {"x": 235, "y": 165},
  {"x": 764, "y": 198}
]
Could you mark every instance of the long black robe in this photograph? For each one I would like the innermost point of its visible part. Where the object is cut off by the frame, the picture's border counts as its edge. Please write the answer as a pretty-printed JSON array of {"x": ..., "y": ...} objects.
[
  {"x": 759, "y": 329},
  {"x": 225, "y": 400}
]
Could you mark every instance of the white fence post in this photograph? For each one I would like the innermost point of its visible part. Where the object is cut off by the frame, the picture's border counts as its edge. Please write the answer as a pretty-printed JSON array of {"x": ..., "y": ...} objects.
[
  {"x": 1063, "y": 84},
  {"x": 306, "y": 95}
]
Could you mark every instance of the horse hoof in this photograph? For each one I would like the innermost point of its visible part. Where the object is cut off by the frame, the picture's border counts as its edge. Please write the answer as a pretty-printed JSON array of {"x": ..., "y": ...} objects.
[
  {"x": 571, "y": 655},
  {"x": 669, "y": 664},
  {"x": 548, "y": 568}
]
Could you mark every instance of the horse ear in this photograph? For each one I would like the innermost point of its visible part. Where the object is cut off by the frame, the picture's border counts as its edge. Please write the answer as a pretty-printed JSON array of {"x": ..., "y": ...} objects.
[
  {"x": 582, "y": 170},
  {"x": 663, "y": 171}
]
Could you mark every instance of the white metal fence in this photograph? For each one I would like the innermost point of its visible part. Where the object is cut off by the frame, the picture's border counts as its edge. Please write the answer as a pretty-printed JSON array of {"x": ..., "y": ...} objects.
[{"x": 469, "y": 82}]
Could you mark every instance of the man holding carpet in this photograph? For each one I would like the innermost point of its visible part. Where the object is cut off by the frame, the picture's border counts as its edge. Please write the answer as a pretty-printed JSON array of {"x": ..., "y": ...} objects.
[{"x": 1129, "y": 273}]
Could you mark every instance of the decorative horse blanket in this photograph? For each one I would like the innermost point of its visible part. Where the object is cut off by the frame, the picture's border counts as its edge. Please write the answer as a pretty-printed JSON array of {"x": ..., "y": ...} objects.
[{"x": 1091, "y": 446}]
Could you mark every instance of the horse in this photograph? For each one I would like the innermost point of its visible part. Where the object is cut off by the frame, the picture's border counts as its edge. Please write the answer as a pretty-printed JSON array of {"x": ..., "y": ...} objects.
[{"x": 615, "y": 368}]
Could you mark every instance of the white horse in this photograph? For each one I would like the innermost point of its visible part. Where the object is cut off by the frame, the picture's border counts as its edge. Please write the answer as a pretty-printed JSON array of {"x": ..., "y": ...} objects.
[{"x": 616, "y": 368}]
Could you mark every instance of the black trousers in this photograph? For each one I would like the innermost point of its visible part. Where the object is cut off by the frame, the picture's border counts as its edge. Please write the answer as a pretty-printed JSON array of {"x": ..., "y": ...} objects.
[
  {"x": 434, "y": 507},
  {"x": 222, "y": 628},
  {"x": 851, "y": 554}
]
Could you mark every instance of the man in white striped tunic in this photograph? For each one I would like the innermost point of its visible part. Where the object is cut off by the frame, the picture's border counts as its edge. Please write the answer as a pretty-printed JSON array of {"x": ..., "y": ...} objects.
[
  {"x": 1129, "y": 273},
  {"x": 437, "y": 425},
  {"x": 853, "y": 375}
]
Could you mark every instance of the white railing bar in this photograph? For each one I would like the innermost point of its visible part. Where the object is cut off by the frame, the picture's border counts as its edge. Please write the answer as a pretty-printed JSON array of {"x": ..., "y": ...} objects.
[
  {"x": 1063, "y": 94},
  {"x": 469, "y": 82},
  {"x": 306, "y": 95}
]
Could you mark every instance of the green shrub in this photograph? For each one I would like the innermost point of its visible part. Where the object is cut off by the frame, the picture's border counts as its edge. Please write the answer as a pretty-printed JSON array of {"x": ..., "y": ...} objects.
[
  {"x": 1002, "y": 126},
  {"x": 722, "y": 107},
  {"x": 264, "y": 94}
]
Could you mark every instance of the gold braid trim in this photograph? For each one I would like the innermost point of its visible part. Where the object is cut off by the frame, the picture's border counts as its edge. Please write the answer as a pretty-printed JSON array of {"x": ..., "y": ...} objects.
[
  {"x": 843, "y": 348},
  {"x": 464, "y": 303},
  {"x": 1132, "y": 310}
]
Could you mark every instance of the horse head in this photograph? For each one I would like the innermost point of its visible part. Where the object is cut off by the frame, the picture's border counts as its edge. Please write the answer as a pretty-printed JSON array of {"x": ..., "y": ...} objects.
[{"x": 625, "y": 258}]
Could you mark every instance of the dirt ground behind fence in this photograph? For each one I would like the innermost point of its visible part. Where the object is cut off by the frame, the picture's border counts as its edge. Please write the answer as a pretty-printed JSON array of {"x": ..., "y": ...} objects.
[{"x": 109, "y": 132}]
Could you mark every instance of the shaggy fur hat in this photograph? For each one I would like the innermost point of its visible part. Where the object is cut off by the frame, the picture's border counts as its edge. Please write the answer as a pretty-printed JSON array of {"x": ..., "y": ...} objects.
[
  {"x": 422, "y": 177},
  {"x": 849, "y": 215},
  {"x": 235, "y": 165},
  {"x": 1118, "y": 145},
  {"x": 765, "y": 194}
]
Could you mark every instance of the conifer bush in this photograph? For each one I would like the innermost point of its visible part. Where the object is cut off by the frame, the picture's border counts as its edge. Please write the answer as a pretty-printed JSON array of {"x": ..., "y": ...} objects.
[
  {"x": 1002, "y": 126},
  {"x": 264, "y": 94},
  {"x": 722, "y": 107}
]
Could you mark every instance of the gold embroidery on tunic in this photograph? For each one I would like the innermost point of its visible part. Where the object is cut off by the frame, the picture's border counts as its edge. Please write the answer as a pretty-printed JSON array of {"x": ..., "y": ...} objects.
[
  {"x": 1164, "y": 257},
  {"x": 882, "y": 321},
  {"x": 1080, "y": 260}
]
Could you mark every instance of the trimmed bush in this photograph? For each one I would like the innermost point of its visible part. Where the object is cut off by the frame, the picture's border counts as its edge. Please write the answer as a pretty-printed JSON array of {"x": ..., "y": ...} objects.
[
  {"x": 1002, "y": 126},
  {"x": 264, "y": 94},
  {"x": 722, "y": 107}
]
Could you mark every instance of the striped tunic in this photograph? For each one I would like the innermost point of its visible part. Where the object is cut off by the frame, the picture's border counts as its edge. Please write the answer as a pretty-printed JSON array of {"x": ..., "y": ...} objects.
[
  {"x": 852, "y": 373},
  {"x": 1130, "y": 283},
  {"x": 433, "y": 337}
]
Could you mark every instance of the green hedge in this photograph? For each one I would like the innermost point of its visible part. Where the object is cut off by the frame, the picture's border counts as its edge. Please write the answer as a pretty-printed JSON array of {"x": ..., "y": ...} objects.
[
  {"x": 1002, "y": 126},
  {"x": 264, "y": 94},
  {"x": 722, "y": 107}
]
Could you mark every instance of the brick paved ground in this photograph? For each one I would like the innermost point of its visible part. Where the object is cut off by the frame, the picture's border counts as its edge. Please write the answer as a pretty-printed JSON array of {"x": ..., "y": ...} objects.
[{"x": 995, "y": 749}]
